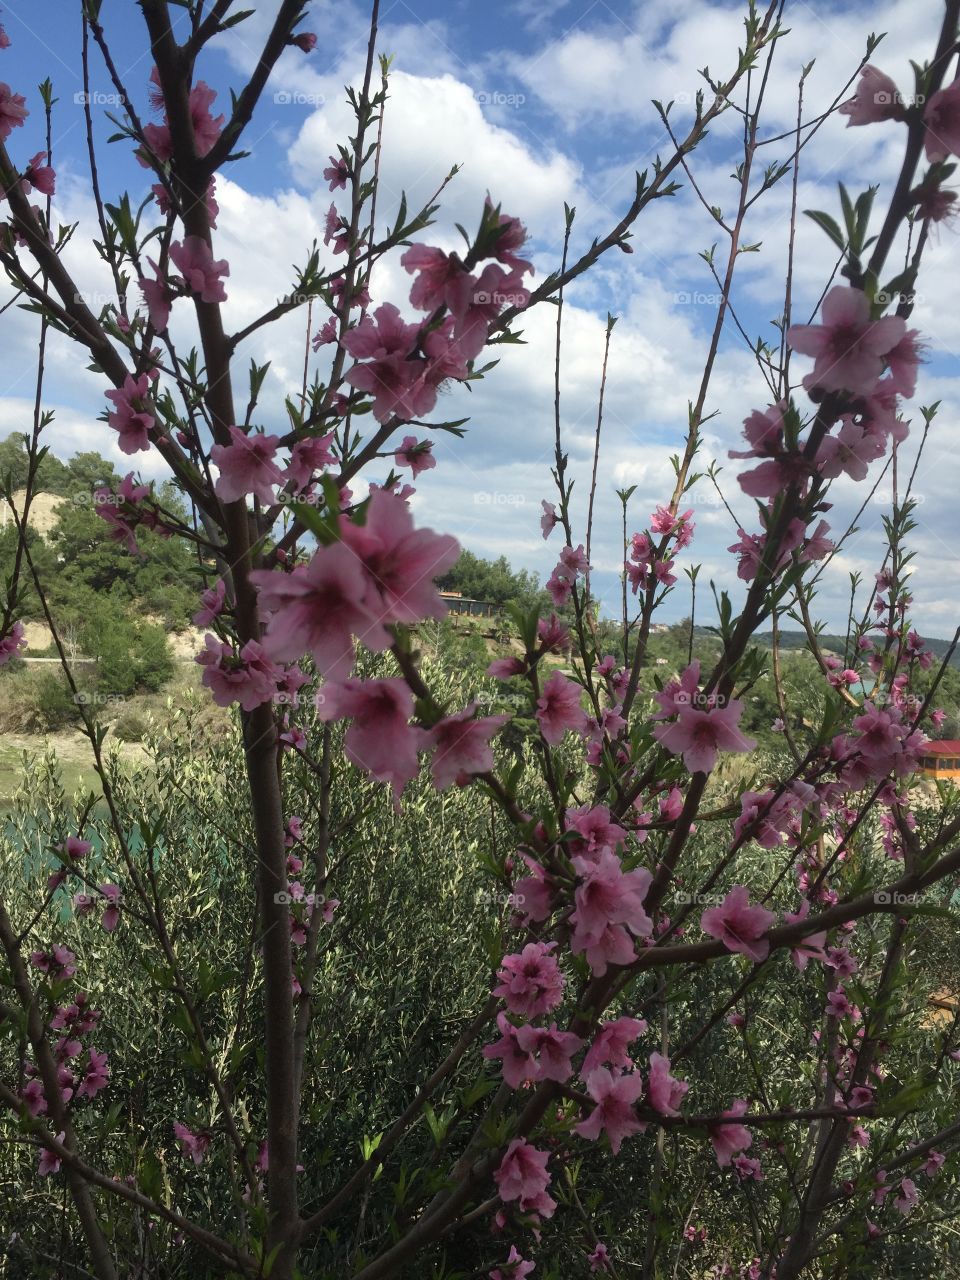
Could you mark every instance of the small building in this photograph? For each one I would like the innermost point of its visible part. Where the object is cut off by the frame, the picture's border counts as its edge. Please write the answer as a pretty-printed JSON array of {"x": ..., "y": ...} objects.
[
  {"x": 941, "y": 759},
  {"x": 460, "y": 606}
]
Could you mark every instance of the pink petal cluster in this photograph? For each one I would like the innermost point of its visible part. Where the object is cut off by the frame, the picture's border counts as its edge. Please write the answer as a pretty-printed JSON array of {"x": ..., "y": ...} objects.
[
  {"x": 13, "y": 111},
  {"x": 249, "y": 677},
  {"x": 516, "y": 1267},
  {"x": 531, "y": 983},
  {"x": 523, "y": 1176},
  {"x": 609, "y": 901},
  {"x": 530, "y": 1053},
  {"x": 738, "y": 925},
  {"x": 380, "y": 740},
  {"x": 461, "y": 746},
  {"x": 848, "y": 347},
  {"x": 614, "y": 1112},
  {"x": 12, "y": 643},
  {"x": 727, "y": 1138},
  {"x": 877, "y": 98},
  {"x": 700, "y": 732},
  {"x": 664, "y": 1091},
  {"x": 558, "y": 709},
  {"x": 132, "y": 417},
  {"x": 202, "y": 274},
  {"x": 942, "y": 118},
  {"x": 246, "y": 466}
]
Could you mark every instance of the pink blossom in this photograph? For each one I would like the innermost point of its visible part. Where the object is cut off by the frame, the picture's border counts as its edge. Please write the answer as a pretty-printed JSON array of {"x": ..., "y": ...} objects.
[
  {"x": 838, "y": 1006},
  {"x": 614, "y": 1112},
  {"x": 933, "y": 1163},
  {"x": 13, "y": 111},
  {"x": 516, "y": 1267},
  {"x": 204, "y": 277},
  {"x": 728, "y": 1139},
  {"x": 554, "y": 1049},
  {"x": 608, "y": 895},
  {"x": 851, "y": 450},
  {"x": 211, "y": 604},
  {"x": 11, "y": 644},
  {"x": 519, "y": 1056},
  {"x": 250, "y": 678},
  {"x": 677, "y": 694},
  {"x": 523, "y": 1176},
  {"x": 817, "y": 545},
  {"x": 318, "y": 608},
  {"x": 907, "y": 1198},
  {"x": 441, "y": 280},
  {"x": 493, "y": 290},
  {"x": 461, "y": 746},
  {"x": 941, "y": 116},
  {"x": 595, "y": 830},
  {"x": 400, "y": 562},
  {"x": 903, "y": 362},
  {"x": 558, "y": 709},
  {"x": 307, "y": 42},
  {"x": 247, "y": 466},
  {"x": 506, "y": 668},
  {"x": 512, "y": 235},
  {"x": 158, "y": 299},
  {"x": 337, "y": 173},
  {"x": 810, "y": 947},
  {"x": 600, "y": 1258},
  {"x": 49, "y": 1160},
  {"x": 194, "y": 1145},
  {"x": 39, "y": 177},
  {"x": 111, "y": 916},
  {"x": 665, "y": 1092},
  {"x": 95, "y": 1077},
  {"x": 738, "y": 925},
  {"x": 549, "y": 520},
  {"x": 531, "y": 982},
  {"x": 699, "y": 735},
  {"x": 131, "y": 417},
  {"x": 877, "y": 98},
  {"x": 58, "y": 963},
  {"x": 417, "y": 455},
  {"x": 308, "y": 456},
  {"x": 397, "y": 381},
  {"x": 380, "y": 740},
  {"x": 610, "y": 1044},
  {"x": 848, "y": 346}
]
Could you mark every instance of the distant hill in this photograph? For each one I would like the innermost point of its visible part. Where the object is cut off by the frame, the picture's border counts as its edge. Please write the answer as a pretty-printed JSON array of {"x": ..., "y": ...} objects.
[{"x": 798, "y": 640}]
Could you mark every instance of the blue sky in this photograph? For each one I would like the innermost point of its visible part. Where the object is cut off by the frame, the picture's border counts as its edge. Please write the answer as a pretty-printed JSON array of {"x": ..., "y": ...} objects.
[{"x": 541, "y": 103}]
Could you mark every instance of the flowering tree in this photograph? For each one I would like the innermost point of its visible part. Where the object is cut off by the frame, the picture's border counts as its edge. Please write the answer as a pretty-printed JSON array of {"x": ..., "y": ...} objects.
[{"x": 655, "y": 911}]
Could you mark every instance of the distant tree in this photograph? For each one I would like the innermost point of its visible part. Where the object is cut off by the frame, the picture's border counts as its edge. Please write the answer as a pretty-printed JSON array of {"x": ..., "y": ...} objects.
[
  {"x": 494, "y": 580},
  {"x": 52, "y": 475}
]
